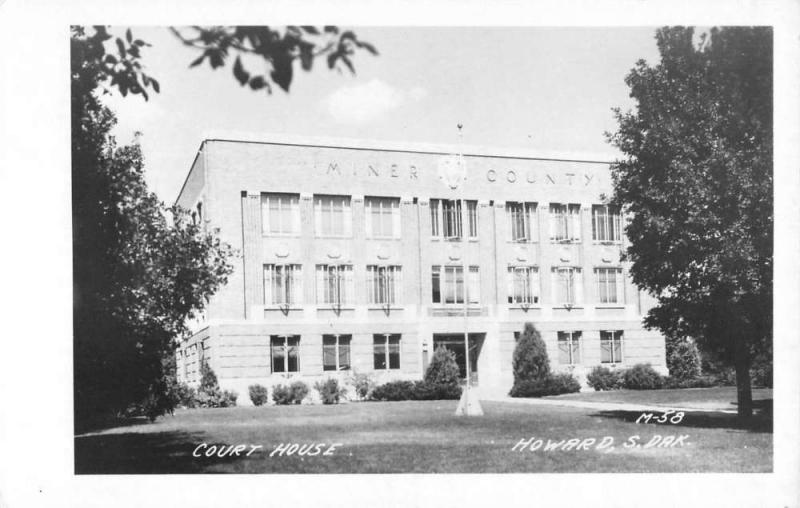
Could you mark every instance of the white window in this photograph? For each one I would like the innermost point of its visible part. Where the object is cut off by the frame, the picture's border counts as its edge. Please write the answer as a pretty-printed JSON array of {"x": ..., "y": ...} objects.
[
  {"x": 446, "y": 218},
  {"x": 569, "y": 348},
  {"x": 609, "y": 285},
  {"x": 523, "y": 284},
  {"x": 567, "y": 285},
  {"x": 332, "y": 216},
  {"x": 606, "y": 224},
  {"x": 448, "y": 284},
  {"x": 611, "y": 346},
  {"x": 522, "y": 221},
  {"x": 283, "y": 284},
  {"x": 386, "y": 351},
  {"x": 280, "y": 214},
  {"x": 384, "y": 284},
  {"x": 565, "y": 222},
  {"x": 382, "y": 217},
  {"x": 335, "y": 284},
  {"x": 336, "y": 352}
]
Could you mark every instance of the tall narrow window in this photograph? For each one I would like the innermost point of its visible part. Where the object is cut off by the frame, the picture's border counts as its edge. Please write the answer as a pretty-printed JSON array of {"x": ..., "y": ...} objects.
[
  {"x": 280, "y": 214},
  {"x": 565, "y": 222},
  {"x": 332, "y": 216},
  {"x": 611, "y": 346},
  {"x": 606, "y": 224},
  {"x": 285, "y": 352},
  {"x": 382, "y": 217},
  {"x": 335, "y": 284},
  {"x": 336, "y": 352},
  {"x": 449, "y": 284},
  {"x": 384, "y": 284},
  {"x": 283, "y": 284},
  {"x": 522, "y": 221},
  {"x": 446, "y": 218},
  {"x": 386, "y": 351},
  {"x": 569, "y": 348},
  {"x": 523, "y": 284},
  {"x": 609, "y": 285},
  {"x": 567, "y": 285}
]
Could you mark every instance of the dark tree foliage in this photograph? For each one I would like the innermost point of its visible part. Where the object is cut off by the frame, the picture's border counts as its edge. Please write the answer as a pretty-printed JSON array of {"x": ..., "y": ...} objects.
[
  {"x": 277, "y": 48},
  {"x": 697, "y": 182},
  {"x": 140, "y": 269},
  {"x": 530, "y": 362}
]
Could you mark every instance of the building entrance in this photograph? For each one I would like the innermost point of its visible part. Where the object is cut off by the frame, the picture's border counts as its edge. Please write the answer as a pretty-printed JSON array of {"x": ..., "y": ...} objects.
[{"x": 455, "y": 342}]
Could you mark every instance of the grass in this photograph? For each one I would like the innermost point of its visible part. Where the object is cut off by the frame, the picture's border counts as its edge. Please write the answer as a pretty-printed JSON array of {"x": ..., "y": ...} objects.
[
  {"x": 697, "y": 398},
  {"x": 421, "y": 437}
]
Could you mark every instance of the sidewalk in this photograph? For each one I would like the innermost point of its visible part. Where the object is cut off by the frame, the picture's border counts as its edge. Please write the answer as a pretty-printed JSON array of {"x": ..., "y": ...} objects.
[{"x": 601, "y": 406}]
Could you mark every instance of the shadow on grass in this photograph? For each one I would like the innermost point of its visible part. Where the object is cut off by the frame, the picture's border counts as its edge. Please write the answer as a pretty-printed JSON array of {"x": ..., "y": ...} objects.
[
  {"x": 141, "y": 453},
  {"x": 760, "y": 422}
]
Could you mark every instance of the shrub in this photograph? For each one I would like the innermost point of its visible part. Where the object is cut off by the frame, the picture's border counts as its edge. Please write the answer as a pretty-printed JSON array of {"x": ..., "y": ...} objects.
[
  {"x": 443, "y": 369},
  {"x": 530, "y": 356},
  {"x": 258, "y": 394},
  {"x": 186, "y": 396},
  {"x": 683, "y": 359},
  {"x": 424, "y": 390},
  {"x": 299, "y": 390},
  {"x": 553, "y": 384},
  {"x": 281, "y": 394},
  {"x": 208, "y": 380},
  {"x": 394, "y": 390},
  {"x": 329, "y": 391},
  {"x": 698, "y": 382},
  {"x": 602, "y": 378},
  {"x": 761, "y": 369},
  {"x": 362, "y": 384},
  {"x": 214, "y": 397},
  {"x": 642, "y": 377}
]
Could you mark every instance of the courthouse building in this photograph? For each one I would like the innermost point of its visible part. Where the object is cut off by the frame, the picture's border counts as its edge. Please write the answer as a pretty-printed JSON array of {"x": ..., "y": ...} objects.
[{"x": 366, "y": 257}]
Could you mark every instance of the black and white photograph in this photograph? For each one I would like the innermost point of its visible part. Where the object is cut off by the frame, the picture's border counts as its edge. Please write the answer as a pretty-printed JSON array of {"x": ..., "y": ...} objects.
[{"x": 380, "y": 253}]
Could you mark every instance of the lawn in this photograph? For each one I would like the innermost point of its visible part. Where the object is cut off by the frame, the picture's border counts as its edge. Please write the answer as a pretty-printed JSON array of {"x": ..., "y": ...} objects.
[
  {"x": 697, "y": 398},
  {"x": 423, "y": 437}
]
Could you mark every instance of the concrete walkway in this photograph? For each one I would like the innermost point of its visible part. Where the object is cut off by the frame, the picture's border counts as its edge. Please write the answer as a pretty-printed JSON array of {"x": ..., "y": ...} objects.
[{"x": 601, "y": 406}]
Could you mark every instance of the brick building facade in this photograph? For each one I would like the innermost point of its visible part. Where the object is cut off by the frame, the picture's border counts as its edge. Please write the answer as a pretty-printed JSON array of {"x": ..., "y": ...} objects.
[{"x": 362, "y": 257}]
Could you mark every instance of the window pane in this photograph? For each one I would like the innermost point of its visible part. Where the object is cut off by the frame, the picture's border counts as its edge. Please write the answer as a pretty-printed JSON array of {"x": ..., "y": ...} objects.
[
  {"x": 278, "y": 354},
  {"x": 344, "y": 352},
  {"x": 293, "y": 354},
  {"x": 394, "y": 352},
  {"x": 436, "y": 296},
  {"x": 379, "y": 351},
  {"x": 563, "y": 348},
  {"x": 434, "y": 217}
]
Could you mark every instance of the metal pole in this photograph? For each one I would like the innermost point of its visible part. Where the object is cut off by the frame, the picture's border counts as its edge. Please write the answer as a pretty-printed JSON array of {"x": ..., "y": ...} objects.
[{"x": 464, "y": 243}]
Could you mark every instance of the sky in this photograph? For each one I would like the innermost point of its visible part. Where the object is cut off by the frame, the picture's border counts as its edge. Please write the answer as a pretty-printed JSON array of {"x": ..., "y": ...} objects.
[{"x": 542, "y": 89}]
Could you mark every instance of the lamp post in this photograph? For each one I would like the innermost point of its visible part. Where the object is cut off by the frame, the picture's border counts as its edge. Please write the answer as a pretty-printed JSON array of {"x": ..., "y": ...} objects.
[{"x": 469, "y": 404}]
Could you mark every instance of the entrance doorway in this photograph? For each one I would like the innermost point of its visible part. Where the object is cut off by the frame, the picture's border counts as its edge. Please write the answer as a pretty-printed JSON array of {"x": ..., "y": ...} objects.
[{"x": 455, "y": 342}]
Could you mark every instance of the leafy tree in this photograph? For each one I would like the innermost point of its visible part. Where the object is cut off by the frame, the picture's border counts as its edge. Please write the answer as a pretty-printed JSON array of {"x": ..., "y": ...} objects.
[
  {"x": 530, "y": 362},
  {"x": 443, "y": 368},
  {"x": 208, "y": 380},
  {"x": 683, "y": 358},
  {"x": 696, "y": 181}
]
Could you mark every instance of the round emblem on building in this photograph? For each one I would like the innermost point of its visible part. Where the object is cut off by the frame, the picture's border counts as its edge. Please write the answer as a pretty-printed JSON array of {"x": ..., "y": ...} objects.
[
  {"x": 282, "y": 250},
  {"x": 452, "y": 170}
]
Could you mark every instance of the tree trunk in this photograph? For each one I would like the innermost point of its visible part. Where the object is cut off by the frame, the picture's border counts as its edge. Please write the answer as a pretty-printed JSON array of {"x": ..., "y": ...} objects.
[{"x": 744, "y": 394}]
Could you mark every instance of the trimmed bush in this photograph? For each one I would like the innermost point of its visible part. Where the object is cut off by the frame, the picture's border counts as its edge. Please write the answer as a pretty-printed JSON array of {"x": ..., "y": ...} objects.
[
  {"x": 424, "y": 390},
  {"x": 329, "y": 391},
  {"x": 443, "y": 369},
  {"x": 214, "y": 397},
  {"x": 258, "y": 394},
  {"x": 698, "y": 382},
  {"x": 393, "y": 390},
  {"x": 642, "y": 377},
  {"x": 299, "y": 390},
  {"x": 363, "y": 385},
  {"x": 281, "y": 395},
  {"x": 530, "y": 356},
  {"x": 602, "y": 378},
  {"x": 553, "y": 384},
  {"x": 683, "y": 359}
]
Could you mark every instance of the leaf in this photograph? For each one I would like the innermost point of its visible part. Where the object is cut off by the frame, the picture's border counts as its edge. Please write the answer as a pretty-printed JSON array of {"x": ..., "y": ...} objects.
[
  {"x": 155, "y": 85},
  {"x": 306, "y": 56},
  {"x": 369, "y": 47},
  {"x": 140, "y": 43},
  {"x": 331, "y": 30},
  {"x": 121, "y": 47},
  {"x": 215, "y": 58},
  {"x": 110, "y": 59},
  {"x": 128, "y": 35},
  {"x": 332, "y": 59},
  {"x": 257, "y": 83},
  {"x": 349, "y": 64},
  {"x": 310, "y": 29},
  {"x": 282, "y": 71},
  {"x": 241, "y": 75},
  {"x": 198, "y": 61}
]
